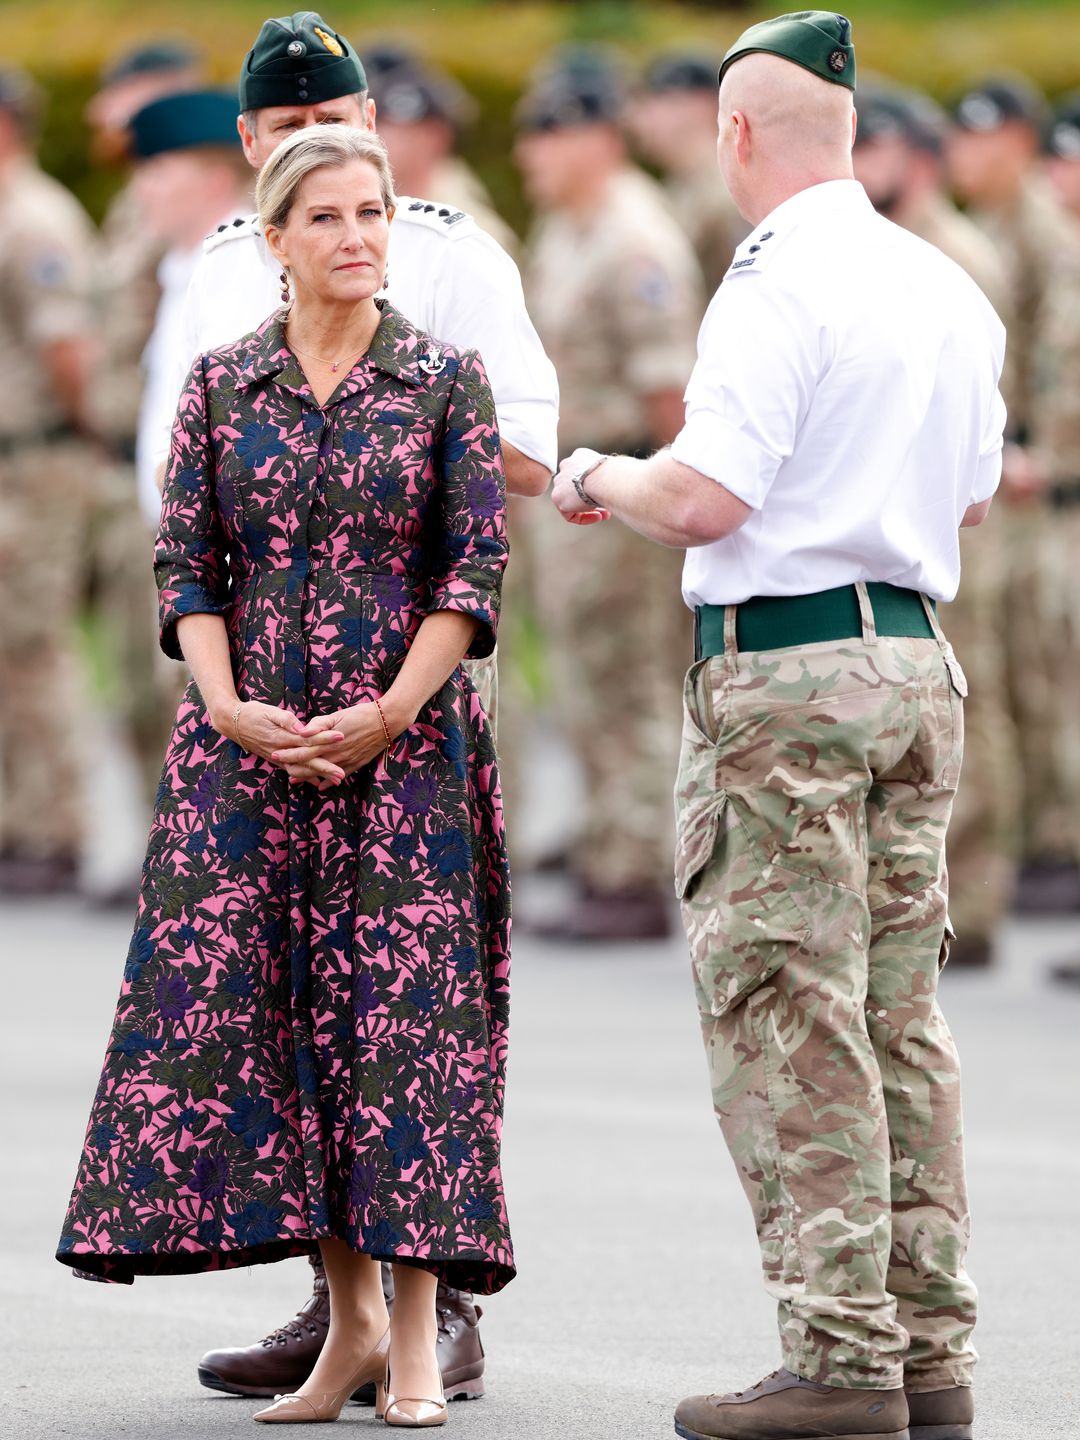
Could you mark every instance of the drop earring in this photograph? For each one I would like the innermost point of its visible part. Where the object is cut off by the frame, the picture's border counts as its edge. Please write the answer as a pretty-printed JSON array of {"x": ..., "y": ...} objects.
[
  {"x": 386, "y": 277},
  {"x": 285, "y": 294}
]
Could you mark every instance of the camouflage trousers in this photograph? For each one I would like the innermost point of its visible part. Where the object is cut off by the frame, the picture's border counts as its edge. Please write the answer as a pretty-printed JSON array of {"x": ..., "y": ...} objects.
[
  {"x": 984, "y": 831},
  {"x": 1043, "y": 676},
  {"x": 618, "y": 643},
  {"x": 45, "y": 495},
  {"x": 814, "y": 792},
  {"x": 484, "y": 674}
]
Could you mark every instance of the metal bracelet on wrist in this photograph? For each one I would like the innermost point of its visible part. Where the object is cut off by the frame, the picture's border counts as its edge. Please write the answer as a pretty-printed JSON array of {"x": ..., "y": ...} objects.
[{"x": 578, "y": 482}]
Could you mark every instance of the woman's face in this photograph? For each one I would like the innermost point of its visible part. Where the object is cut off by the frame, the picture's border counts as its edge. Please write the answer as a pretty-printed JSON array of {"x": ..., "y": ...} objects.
[{"x": 334, "y": 241}]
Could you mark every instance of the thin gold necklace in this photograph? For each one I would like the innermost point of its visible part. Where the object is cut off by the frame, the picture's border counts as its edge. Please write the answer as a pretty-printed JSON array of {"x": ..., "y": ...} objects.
[{"x": 322, "y": 361}]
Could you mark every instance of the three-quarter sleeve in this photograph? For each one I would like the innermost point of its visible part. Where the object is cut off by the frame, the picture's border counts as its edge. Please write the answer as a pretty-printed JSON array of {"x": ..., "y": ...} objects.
[
  {"x": 190, "y": 557},
  {"x": 470, "y": 553}
]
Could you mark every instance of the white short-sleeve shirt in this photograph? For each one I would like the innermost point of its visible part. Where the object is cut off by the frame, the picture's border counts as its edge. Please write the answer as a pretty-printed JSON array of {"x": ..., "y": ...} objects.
[
  {"x": 445, "y": 274},
  {"x": 846, "y": 389}
]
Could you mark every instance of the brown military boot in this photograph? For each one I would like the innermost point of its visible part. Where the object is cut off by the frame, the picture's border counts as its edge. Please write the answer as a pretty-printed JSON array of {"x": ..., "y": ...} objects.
[
  {"x": 282, "y": 1361},
  {"x": 784, "y": 1406},
  {"x": 638, "y": 913},
  {"x": 941, "y": 1414}
]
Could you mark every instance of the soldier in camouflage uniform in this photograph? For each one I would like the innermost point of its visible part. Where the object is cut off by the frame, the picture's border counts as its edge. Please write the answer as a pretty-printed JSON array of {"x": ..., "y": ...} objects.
[
  {"x": 46, "y": 327},
  {"x": 898, "y": 158},
  {"x": 616, "y": 295},
  {"x": 119, "y": 549},
  {"x": 993, "y": 160},
  {"x": 673, "y": 123},
  {"x": 837, "y": 437}
]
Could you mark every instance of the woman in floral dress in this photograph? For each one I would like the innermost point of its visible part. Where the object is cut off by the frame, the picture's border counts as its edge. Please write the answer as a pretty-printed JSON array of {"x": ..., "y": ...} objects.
[{"x": 309, "y": 1047}]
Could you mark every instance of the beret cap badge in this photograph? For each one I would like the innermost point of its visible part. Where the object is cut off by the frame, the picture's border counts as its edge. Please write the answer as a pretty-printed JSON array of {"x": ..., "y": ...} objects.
[{"x": 330, "y": 41}]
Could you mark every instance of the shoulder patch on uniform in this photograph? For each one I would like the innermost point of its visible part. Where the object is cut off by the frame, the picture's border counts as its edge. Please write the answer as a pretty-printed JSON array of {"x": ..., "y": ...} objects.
[
  {"x": 752, "y": 253},
  {"x": 240, "y": 228},
  {"x": 433, "y": 215}
]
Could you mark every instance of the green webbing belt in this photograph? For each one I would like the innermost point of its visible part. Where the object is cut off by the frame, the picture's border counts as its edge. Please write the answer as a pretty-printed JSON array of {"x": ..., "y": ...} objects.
[{"x": 771, "y": 622}]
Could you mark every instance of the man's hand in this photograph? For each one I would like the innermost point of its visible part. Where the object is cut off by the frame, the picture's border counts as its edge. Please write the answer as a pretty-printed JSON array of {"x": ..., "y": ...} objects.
[{"x": 564, "y": 493}]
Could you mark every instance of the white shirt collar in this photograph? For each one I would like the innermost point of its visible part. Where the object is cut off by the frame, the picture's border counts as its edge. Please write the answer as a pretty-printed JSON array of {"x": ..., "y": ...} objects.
[{"x": 816, "y": 199}]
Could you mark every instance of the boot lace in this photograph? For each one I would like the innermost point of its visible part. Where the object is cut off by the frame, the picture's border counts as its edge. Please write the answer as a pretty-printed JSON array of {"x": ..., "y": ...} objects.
[{"x": 293, "y": 1330}]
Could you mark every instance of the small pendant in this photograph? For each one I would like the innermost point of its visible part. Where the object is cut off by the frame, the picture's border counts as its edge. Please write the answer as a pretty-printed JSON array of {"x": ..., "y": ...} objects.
[{"x": 333, "y": 367}]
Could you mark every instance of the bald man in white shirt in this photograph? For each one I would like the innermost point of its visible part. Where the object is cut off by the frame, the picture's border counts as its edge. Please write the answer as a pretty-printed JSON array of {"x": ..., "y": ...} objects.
[{"x": 843, "y": 422}]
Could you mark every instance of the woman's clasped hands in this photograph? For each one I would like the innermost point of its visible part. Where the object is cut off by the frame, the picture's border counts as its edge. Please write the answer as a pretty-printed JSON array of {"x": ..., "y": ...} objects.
[{"x": 322, "y": 751}]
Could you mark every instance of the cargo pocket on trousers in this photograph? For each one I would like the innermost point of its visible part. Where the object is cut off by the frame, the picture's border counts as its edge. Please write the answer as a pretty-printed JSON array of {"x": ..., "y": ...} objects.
[
  {"x": 947, "y": 941},
  {"x": 739, "y": 910}
]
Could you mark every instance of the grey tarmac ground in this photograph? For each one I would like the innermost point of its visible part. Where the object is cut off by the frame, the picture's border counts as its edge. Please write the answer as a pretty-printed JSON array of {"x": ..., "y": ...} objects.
[{"x": 638, "y": 1278}]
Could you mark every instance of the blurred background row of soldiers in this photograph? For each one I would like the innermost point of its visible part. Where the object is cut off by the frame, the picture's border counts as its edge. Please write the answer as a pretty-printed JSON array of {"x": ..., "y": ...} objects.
[{"x": 632, "y": 234}]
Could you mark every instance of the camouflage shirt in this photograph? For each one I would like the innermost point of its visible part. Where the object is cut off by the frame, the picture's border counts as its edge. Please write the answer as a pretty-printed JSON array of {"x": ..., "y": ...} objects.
[{"x": 616, "y": 299}]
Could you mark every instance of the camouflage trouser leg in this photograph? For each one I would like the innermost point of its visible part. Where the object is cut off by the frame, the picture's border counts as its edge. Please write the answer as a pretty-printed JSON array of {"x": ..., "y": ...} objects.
[
  {"x": 619, "y": 640},
  {"x": 814, "y": 793},
  {"x": 983, "y": 831},
  {"x": 484, "y": 674},
  {"x": 1040, "y": 664},
  {"x": 148, "y": 686},
  {"x": 43, "y": 507}
]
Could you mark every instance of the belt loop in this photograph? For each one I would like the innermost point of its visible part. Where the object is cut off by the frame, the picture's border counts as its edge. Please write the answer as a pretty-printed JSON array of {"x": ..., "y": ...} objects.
[
  {"x": 866, "y": 611},
  {"x": 731, "y": 641},
  {"x": 935, "y": 623}
]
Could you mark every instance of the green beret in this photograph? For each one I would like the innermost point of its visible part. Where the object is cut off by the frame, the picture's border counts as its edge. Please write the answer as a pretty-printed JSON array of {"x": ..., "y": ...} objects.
[
  {"x": 184, "y": 122},
  {"x": 818, "y": 40},
  {"x": 299, "y": 60}
]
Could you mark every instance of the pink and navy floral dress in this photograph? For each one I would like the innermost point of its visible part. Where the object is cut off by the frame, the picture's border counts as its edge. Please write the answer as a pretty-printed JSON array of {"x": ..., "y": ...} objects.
[{"x": 310, "y": 1039}]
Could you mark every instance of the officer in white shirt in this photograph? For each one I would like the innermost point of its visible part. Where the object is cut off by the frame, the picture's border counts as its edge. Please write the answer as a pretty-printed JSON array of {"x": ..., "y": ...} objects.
[
  {"x": 842, "y": 423},
  {"x": 453, "y": 281},
  {"x": 444, "y": 273}
]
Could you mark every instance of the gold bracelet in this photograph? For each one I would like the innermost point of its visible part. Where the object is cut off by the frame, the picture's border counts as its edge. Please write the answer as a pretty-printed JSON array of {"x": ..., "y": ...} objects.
[
  {"x": 236, "y": 721},
  {"x": 385, "y": 727}
]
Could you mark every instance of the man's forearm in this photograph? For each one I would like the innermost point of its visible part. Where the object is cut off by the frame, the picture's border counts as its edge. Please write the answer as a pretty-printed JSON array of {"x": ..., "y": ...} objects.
[
  {"x": 524, "y": 476},
  {"x": 666, "y": 501}
]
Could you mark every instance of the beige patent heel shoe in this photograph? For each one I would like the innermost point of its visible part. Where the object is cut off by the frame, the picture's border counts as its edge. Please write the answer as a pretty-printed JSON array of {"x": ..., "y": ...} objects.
[
  {"x": 328, "y": 1405},
  {"x": 414, "y": 1414}
]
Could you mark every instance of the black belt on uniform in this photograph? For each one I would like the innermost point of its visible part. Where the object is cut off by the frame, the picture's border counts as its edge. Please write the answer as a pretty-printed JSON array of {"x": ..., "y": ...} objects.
[{"x": 771, "y": 622}]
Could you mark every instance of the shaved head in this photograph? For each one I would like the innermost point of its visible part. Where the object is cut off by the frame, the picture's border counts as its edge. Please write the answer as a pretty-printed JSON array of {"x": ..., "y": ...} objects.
[{"x": 782, "y": 129}]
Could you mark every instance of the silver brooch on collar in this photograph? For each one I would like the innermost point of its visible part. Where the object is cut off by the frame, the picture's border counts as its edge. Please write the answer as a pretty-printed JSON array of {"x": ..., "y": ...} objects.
[{"x": 433, "y": 362}]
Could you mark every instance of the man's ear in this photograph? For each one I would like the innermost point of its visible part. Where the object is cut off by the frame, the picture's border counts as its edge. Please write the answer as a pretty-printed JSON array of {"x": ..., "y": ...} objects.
[
  {"x": 742, "y": 137},
  {"x": 369, "y": 114},
  {"x": 247, "y": 139}
]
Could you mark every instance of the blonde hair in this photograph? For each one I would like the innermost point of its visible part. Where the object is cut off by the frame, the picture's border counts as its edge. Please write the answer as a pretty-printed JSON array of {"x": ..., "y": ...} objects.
[{"x": 311, "y": 149}]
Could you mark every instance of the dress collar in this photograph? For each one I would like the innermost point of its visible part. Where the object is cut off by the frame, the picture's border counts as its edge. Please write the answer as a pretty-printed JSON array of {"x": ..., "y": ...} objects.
[{"x": 397, "y": 348}]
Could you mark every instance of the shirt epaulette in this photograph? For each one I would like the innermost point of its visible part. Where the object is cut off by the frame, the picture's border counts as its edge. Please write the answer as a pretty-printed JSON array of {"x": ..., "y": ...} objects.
[
  {"x": 445, "y": 220},
  {"x": 240, "y": 228},
  {"x": 753, "y": 254}
]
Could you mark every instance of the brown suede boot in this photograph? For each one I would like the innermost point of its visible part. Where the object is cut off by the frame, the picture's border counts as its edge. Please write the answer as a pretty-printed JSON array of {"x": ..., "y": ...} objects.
[
  {"x": 941, "y": 1414},
  {"x": 784, "y": 1406}
]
